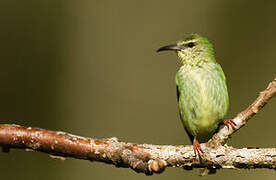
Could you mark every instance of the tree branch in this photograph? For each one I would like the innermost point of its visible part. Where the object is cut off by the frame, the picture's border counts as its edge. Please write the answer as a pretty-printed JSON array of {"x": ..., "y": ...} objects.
[
  {"x": 147, "y": 158},
  {"x": 241, "y": 119}
]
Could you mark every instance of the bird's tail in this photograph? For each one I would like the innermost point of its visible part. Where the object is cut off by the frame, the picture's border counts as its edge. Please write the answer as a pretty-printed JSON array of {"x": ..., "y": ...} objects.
[{"x": 205, "y": 171}]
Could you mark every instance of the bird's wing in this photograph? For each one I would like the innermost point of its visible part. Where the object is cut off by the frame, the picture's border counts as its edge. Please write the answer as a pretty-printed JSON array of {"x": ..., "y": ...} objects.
[
  {"x": 191, "y": 137},
  {"x": 177, "y": 93}
]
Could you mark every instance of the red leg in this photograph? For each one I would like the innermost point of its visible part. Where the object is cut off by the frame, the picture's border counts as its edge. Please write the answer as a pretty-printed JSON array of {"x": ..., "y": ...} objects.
[
  {"x": 230, "y": 122},
  {"x": 196, "y": 147}
]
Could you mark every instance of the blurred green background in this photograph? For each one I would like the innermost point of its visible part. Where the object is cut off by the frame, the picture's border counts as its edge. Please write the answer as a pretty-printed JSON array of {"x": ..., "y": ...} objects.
[{"x": 90, "y": 68}]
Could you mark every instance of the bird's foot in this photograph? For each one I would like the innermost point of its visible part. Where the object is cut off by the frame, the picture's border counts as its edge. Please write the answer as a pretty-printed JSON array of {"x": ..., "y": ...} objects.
[
  {"x": 197, "y": 148},
  {"x": 230, "y": 122}
]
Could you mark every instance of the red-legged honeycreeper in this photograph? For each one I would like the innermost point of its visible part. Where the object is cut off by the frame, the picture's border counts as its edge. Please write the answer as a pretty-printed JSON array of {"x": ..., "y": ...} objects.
[{"x": 201, "y": 89}]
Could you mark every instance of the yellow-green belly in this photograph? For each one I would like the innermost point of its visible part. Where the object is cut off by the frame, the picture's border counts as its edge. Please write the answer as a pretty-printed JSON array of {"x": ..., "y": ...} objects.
[{"x": 203, "y": 99}]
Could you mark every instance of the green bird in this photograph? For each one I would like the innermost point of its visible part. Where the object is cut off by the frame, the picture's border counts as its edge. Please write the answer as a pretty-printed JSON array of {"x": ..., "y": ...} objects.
[{"x": 201, "y": 89}]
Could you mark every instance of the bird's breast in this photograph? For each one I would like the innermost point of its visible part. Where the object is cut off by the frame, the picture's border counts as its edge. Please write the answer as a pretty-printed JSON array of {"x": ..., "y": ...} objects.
[{"x": 203, "y": 99}]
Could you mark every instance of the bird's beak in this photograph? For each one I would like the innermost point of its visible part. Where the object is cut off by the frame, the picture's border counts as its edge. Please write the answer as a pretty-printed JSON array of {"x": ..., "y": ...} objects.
[{"x": 172, "y": 47}]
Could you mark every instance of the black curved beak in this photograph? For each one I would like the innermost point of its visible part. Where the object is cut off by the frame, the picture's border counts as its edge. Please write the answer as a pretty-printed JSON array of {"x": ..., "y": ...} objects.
[{"x": 172, "y": 47}]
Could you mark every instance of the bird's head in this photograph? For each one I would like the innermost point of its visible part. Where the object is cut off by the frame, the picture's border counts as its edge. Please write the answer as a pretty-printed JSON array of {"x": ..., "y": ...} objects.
[{"x": 192, "y": 50}]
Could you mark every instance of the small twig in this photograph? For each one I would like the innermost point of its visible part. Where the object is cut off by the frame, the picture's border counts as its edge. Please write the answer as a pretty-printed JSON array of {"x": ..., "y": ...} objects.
[{"x": 146, "y": 158}]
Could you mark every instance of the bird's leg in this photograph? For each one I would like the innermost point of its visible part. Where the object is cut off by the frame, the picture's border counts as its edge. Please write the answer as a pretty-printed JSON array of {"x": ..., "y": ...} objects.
[
  {"x": 197, "y": 148},
  {"x": 230, "y": 122}
]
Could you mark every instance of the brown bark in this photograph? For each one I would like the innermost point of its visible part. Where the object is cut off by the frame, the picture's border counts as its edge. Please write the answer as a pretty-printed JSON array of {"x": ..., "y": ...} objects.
[{"x": 147, "y": 158}]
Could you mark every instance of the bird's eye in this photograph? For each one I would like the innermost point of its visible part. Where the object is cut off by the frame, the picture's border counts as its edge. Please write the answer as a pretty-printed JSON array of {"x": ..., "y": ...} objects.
[{"x": 191, "y": 44}]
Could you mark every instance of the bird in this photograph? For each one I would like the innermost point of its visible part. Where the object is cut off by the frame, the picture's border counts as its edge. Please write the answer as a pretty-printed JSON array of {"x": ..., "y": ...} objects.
[{"x": 202, "y": 94}]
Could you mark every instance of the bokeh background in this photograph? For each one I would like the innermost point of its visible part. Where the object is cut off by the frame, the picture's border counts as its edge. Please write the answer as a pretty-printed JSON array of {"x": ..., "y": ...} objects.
[{"x": 90, "y": 68}]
